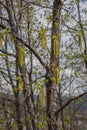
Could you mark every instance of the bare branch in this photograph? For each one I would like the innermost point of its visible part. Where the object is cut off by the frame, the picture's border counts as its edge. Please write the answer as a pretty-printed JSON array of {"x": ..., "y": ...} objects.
[{"x": 68, "y": 102}]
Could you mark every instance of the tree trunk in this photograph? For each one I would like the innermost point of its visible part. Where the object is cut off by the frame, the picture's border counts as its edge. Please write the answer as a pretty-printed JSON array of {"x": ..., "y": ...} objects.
[
  {"x": 18, "y": 116},
  {"x": 51, "y": 105},
  {"x": 28, "y": 100},
  {"x": 54, "y": 63}
]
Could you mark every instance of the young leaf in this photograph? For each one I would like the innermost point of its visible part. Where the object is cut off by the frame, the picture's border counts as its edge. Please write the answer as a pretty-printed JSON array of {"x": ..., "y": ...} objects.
[{"x": 41, "y": 125}]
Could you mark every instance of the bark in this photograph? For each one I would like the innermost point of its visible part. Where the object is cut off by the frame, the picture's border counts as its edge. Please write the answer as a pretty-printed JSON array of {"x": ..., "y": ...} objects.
[
  {"x": 50, "y": 85},
  {"x": 51, "y": 105},
  {"x": 8, "y": 125},
  {"x": 27, "y": 123},
  {"x": 18, "y": 116},
  {"x": 62, "y": 113},
  {"x": 14, "y": 29},
  {"x": 28, "y": 101}
]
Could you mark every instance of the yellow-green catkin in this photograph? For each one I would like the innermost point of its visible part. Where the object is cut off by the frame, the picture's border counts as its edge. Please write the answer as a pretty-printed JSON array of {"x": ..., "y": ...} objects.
[
  {"x": 20, "y": 84},
  {"x": 44, "y": 38},
  {"x": 21, "y": 56},
  {"x": 56, "y": 47},
  {"x": 42, "y": 96},
  {"x": 57, "y": 76}
]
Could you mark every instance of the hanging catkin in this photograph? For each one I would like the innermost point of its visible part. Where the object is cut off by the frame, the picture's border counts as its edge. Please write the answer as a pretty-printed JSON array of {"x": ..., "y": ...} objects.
[
  {"x": 42, "y": 96},
  {"x": 56, "y": 47},
  {"x": 21, "y": 56},
  {"x": 44, "y": 38},
  {"x": 20, "y": 84}
]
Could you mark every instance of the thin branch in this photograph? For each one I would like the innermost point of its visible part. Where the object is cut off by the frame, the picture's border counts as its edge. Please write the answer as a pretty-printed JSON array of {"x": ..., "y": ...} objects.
[
  {"x": 4, "y": 18},
  {"x": 29, "y": 47},
  {"x": 68, "y": 102},
  {"x": 4, "y": 5},
  {"x": 7, "y": 53},
  {"x": 32, "y": 3},
  {"x": 33, "y": 51}
]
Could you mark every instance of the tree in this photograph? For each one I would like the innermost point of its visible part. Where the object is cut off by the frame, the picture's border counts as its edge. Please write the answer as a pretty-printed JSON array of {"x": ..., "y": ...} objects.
[{"x": 24, "y": 42}]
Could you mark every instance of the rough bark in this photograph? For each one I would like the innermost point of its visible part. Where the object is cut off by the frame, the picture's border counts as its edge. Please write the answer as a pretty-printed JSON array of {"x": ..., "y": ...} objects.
[
  {"x": 28, "y": 101},
  {"x": 51, "y": 86},
  {"x": 13, "y": 26}
]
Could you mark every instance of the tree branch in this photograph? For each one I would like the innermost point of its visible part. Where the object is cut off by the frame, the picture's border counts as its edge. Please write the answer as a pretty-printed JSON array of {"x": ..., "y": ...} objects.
[
  {"x": 29, "y": 4},
  {"x": 29, "y": 47},
  {"x": 68, "y": 102}
]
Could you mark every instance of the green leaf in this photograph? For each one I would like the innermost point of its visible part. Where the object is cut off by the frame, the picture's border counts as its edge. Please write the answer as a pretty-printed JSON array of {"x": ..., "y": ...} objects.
[
  {"x": 5, "y": 31},
  {"x": 52, "y": 78},
  {"x": 49, "y": 18},
  {"x": 5, "y": 55},
  {"x": 45, "y": 81},
  {"x": 56, "y": 24},
  {"x": 80, "y": 100},
  {"x": 59, "y": 36},
  {"x": 68, "y": 120},
  {"x": 19, "y": 76},
  {"x": 41, "y": 125},
  {"x": 10, "y": 64},
  {"x": 53, "y": 36},
  {"x": 84, "y": 57},
  {"x": 76, "y": 1},
  {"x": 67, "y": 56},
  {"x": 15, "y": 89},
  {"x": 1, "y": 121}
]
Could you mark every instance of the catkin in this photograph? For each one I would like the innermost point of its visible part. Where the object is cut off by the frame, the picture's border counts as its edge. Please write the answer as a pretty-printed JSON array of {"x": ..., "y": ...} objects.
[
  {"x": 21, "y": 57},
  {"x": 20, "y": 84},
  {"x": 44, "y": 38},
  {"x": 56, "y": 48},
  {"x": 42, "y": 96}
]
